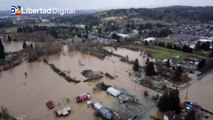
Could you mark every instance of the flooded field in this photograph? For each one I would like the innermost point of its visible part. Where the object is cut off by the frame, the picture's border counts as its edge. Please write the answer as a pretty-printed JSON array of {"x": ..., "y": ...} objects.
[
  {"x": 131, "y": 54},
  {"x": 14, "y": 46},
  {"x": 26, "y": 96}
]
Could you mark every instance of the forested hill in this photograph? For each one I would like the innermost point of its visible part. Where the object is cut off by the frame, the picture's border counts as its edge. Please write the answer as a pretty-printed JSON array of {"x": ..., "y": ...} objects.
[{"x": 167, "y": 14}]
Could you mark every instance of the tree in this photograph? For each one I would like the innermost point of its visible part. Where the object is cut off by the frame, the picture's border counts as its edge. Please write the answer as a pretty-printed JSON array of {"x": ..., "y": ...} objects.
[
  {"x": 2, "y": 54},
  {"x": 191, "y": 115},
  {"x": 170, "y": 102},
  {"x": 150, "y": 70},
  {"x": 168, "y": 63},
  {"x": 198, "y": 45},
  {"x": 146, "y": 43},
  {"x": 177, "y": 73},
  {"x": 211, "y": 54},
  {"x": 201, "y": 64},
  {"x": 164, "y": 103},
  {"x": 175, "y": 101},
  {"x": 136, "y": 65},
  {"x": 9, "y": 38},
  {"x": 145, "y": 93},
  {"x": 24, "y": 46}
]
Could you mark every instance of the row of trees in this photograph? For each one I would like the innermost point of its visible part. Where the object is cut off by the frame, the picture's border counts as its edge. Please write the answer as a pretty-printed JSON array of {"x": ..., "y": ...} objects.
[
  {"x": 202, "y": 46},
  {"x": 184, "y": 48},
  {"x": 149, "y": 69},
  {"x": 2, "y": 53}
]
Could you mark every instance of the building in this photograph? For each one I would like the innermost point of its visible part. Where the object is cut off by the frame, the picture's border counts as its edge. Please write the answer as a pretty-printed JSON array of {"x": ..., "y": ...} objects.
[
  {"x": 114, "y": 92},
  {"x": 103, "y": 111}
]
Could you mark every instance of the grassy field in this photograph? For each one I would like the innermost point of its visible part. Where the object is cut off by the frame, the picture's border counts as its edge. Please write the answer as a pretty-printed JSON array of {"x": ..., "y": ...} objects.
[
  {"x": 163, "y": 53},
  {"x": 11, "y": 29},
  {"x": 167, "y": 41}
]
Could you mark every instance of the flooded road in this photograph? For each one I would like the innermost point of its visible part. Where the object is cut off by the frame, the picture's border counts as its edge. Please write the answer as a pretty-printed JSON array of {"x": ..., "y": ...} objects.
[
  {"x": 200, "y": 91},
  {"x": 26, "y": 96}
]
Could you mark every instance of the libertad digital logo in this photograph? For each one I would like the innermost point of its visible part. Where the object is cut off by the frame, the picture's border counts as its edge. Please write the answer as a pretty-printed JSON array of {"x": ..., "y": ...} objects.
[{"x": 16, "y": 10}]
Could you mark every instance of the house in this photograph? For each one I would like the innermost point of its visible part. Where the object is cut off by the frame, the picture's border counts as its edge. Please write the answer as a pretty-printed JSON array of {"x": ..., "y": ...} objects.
[
  {"x": 160, "y": 85},
  {"x": 114, "y": 92},
  {"x": 149, "y": 39},
  {"x": 103, "y": 111},
  {"x": 138, "y": 80}
]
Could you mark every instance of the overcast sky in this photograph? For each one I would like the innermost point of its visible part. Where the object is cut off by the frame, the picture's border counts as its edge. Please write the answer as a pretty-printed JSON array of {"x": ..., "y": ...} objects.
[{"x": 100, "y": 4}]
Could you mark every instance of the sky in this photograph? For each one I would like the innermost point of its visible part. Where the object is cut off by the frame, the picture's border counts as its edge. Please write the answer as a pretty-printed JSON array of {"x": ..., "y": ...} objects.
[{"x": 100, "y": 4}]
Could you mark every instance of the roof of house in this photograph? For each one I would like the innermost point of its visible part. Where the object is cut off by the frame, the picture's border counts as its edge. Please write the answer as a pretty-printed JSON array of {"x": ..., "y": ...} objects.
[{"x": 113, "y": 91}]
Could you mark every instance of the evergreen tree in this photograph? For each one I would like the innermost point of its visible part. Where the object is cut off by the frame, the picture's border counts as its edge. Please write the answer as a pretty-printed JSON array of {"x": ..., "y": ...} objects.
[
  {"x": 168, "y": 63},
  {"x": 9, "y": 38},
  {"x": 24, "y": 46},
  {"x": 177, "y": 73},
  {"x": 2, "y": 54},
  {"x": 170, "y": 102},
  {"x": 175, "y": 101},
  {"x": 150, "y": 70},
  {"x": 146, "y": 43},
  {"x": 201, "y": 64},
  {"x": 164, "y": 103},
  {"x": 136, "y": 65}
]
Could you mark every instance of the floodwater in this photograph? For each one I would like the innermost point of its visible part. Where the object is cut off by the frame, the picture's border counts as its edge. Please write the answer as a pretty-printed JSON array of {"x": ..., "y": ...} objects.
[
  {"x": 200, "y": 91},
  {"x": 131, "y": 54},
  {"x": 26, "y": 96},
  {"x": 14, "y": 46}
]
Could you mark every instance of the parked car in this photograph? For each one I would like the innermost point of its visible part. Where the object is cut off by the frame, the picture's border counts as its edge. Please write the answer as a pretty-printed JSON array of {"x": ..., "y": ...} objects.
[
  {"x": 50, "y": 104},
  {"x": 83, "y": 97}
]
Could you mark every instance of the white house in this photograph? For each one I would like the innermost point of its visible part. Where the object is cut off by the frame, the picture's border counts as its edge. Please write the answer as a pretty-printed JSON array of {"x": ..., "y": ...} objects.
[{"x": 114, "y": 92}]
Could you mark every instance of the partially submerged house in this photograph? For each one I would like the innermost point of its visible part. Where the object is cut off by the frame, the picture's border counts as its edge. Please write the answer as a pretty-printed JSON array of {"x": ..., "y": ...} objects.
[
  {"x": 114, "y": 92},
  {"x": 160, "y": 85}
]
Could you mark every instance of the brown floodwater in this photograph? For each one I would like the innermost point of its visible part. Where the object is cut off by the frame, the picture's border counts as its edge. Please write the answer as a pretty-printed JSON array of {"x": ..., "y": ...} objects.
[
  {"x": 14, "y": 46},
  {"x": 200, "y": 91},
  {"x": 131, "y": 54},
  {"x": 26, "y": 96}
]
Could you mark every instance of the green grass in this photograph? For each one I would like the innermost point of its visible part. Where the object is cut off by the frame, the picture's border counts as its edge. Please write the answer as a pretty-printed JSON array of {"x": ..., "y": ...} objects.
[
  {"x": 164, "y": 53},
  {"x": 168, "y": 41},
  {"x": 11, "y": 29}
]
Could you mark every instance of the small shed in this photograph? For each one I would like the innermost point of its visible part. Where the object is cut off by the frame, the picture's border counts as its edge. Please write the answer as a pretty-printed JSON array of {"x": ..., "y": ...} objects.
[
  {"x": 50, "y": 104},
  {"x": 113, "y": 91}
]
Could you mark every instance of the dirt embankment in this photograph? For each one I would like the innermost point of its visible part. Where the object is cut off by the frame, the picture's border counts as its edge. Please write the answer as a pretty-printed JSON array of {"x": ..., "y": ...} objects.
[{"x": 92, "y": 75}]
